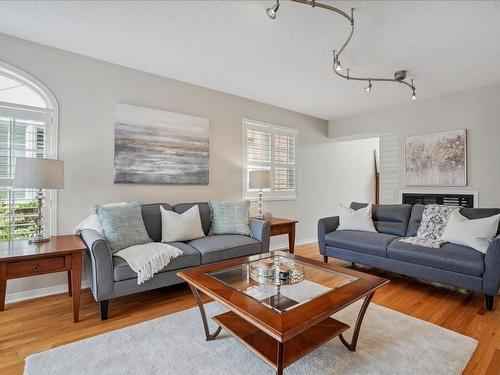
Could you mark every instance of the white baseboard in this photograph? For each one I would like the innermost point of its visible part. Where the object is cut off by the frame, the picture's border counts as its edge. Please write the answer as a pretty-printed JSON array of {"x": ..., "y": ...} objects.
[
  {"x": 40, "y": 292},
  {"x": 284, "y": 244},
  {"x": 63, "y": 288}
]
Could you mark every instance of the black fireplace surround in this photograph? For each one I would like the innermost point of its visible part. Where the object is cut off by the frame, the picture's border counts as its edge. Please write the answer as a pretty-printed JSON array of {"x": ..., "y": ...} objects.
[{"x": 464, "y": 200}]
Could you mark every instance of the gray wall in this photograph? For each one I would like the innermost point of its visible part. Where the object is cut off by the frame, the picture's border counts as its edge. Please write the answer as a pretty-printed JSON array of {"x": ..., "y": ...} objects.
[{"x": 478, "y": 111}]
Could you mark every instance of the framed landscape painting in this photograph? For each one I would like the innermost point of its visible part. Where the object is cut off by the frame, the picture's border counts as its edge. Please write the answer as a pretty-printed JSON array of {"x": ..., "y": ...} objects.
[
  {"x": 436, "y": 159},
  {"x": 159, "y": 147}
]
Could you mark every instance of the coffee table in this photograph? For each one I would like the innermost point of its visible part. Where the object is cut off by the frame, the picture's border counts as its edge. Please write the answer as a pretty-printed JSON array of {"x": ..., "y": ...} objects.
[{"x": 281, "y": 324}]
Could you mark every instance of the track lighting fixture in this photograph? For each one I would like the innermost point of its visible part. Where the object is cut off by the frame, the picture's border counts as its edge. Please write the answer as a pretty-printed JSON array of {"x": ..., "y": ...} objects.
[
  {"x": 399, "y": 76},
  {"x": 271, "y": 12},
  {"x": 369, "y": 87}
]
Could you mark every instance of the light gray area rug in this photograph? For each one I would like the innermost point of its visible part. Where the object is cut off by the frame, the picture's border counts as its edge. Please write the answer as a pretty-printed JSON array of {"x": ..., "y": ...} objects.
[{"x": 390, "y": 343}]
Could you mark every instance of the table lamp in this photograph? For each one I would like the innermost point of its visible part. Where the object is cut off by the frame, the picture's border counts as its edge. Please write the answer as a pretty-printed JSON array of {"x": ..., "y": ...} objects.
[
  {"x": 260, "y": 179},
  {"x": 37, "y": 173}
]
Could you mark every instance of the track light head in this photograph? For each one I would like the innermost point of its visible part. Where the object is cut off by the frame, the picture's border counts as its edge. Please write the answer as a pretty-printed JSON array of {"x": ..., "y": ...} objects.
[
  {"x": 413, "y": 96},
  {"x": 271, "y": 12},
  {"x": 337, "y": 65},
  {"x": 369, "y": 87}
]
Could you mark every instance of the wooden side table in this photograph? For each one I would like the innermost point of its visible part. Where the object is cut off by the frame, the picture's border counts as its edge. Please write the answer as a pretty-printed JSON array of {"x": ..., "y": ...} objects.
[
  {"x": 62, "y": 253},
  {"x": 284, "y": 226}
]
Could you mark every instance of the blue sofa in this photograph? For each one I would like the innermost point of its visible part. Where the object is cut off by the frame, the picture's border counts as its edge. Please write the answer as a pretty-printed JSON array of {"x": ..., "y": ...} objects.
[
  {"x": 111, "y": 277},
  {"x": 451, "y": 264}
]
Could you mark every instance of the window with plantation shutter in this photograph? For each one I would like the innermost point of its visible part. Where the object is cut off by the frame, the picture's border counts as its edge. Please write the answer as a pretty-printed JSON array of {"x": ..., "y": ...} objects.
[
  {"x": 270, "y": 147},
  {"x": 27, "y": 129},
  {"x": 284, "y": 163}
]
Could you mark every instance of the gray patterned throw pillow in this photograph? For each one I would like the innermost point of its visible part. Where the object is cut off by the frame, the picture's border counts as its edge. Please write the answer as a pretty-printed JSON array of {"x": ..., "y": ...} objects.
[
  {"x": 122, "y": 225},
  {"x": 230, "y": 217}
]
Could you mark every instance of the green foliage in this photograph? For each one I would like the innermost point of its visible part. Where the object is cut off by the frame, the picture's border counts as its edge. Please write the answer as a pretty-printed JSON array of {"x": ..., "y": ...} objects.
[{"x": 23, "y": 216}]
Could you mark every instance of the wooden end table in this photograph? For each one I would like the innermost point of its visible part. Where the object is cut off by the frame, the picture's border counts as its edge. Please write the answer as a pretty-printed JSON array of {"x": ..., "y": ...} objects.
[
  {"x": 284, "y": 226},
  {"x": 19, "y": 258}
]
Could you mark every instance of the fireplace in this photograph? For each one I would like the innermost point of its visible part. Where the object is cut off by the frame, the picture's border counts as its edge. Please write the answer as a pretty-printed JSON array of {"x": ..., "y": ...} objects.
[{"x": 468, "y": 199}]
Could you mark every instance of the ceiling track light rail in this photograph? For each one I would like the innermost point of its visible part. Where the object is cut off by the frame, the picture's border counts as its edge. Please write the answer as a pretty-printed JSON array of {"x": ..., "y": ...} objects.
[{"x": 399, "y": 76}]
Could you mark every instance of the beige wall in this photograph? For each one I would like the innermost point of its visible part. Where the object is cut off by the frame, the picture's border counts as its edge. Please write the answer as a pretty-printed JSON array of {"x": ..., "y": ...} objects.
[
  {"x": 87, "y": 91},
  {"x": 478, "y": 111}
]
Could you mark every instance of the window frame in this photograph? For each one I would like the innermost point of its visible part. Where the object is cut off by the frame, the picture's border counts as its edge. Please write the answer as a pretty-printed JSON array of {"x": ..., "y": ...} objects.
[
  {"x": 268, "y": 195},
  {"x": 51, "y": 116}
]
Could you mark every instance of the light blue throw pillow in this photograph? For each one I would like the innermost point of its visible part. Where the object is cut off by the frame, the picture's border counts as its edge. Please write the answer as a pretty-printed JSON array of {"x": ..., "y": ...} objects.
[
  {"x": 230, "y": 217},
  {"x": 122, "y": 225}
]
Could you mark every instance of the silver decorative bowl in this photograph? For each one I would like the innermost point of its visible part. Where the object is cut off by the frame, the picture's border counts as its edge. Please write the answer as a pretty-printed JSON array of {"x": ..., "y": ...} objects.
[{"x": 276, "y": 271}]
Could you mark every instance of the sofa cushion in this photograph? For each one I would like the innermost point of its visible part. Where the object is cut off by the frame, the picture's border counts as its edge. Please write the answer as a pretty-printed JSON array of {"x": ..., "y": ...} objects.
[
  {"x": 388, "y": 218},
  {"x": 415, "y": 218},
  {"x": 475, "y": 233},
  {"x": 122, "y": 225},
  {"x": 470, "y": 213},
  {"x": 225, "y": 246},
  {"x": 189, "y": 258},
  {"x": 230, "y": 217},
  {"x": 479, "y": 213},
  {"x": 363, "y": 242},
  {"x": 152, "y": 219},
  {"x": 205, "y": 213},
  {"x": 360, "y": 219},
  {"x": 181, "y": 227},
  {"x": 450, "y": 257}
]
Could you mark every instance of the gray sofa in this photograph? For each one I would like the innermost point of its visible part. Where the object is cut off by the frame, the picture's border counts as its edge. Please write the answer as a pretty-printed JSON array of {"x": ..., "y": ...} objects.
[
  {"x": 110, "y": 277},
  {"x": 456, "y": 265}
]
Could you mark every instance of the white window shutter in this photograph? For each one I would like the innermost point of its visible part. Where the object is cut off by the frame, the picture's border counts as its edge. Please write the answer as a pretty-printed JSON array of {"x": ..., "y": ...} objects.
[
  {"x": 18, "y": 209},
  {"x": 270, "y": 147}
]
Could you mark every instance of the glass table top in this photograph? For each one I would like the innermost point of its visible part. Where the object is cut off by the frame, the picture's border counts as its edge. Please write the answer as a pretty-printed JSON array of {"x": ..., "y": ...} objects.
[{"x": 281, "y": 283}]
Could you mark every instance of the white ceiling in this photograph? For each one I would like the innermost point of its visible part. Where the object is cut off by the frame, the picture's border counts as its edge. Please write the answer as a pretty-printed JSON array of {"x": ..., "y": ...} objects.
[{"x": 232, "y": 46}]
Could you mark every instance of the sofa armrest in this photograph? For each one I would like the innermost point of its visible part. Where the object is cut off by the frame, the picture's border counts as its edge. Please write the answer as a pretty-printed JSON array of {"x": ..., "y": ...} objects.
[
  {"x": 102, "y": 283},
  {"x": 326, "y": 225},
  {"x": 261, "y": 230},
  {"x": 491, "y": 276}
]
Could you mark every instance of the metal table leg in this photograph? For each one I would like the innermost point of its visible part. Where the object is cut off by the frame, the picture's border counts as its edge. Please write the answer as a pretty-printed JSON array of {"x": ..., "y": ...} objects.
[
  {"x": 352, "y": 346},
  {"x": 208, "y": 335}
]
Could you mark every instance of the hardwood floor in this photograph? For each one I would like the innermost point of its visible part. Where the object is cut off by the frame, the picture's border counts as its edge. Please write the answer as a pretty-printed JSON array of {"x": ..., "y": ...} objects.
[{"x": 31, "y": 326}]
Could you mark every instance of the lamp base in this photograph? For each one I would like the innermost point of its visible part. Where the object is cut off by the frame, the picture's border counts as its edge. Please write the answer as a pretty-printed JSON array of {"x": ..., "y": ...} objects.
[{"x": 38, "y": 239}]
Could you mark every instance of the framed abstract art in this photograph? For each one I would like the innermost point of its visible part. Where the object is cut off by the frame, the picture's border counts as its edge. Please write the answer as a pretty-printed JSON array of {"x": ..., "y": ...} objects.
[
  {"x": 436, "y": 159},
  {"x": 159, "y": 147}
]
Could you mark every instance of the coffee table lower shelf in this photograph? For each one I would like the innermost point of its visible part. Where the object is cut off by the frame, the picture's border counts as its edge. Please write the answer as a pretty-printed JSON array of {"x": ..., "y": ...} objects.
[{"x": 266, "y": 347}]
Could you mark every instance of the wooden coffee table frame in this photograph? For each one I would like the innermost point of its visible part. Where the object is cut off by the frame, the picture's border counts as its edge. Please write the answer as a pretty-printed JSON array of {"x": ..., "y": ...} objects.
[{"x": 280, "y": 339}]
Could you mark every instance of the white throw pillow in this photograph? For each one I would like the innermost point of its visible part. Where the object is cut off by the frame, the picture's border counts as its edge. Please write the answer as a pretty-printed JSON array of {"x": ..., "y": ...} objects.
[
  {"x": 181, "y": 227},
  {"x": 475, "y": 233},
  {"x": 356, "y": 219}
]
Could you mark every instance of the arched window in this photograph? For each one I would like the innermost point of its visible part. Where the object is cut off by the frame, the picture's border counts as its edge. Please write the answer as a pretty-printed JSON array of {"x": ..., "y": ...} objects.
[{"x": 28, "y": 128}]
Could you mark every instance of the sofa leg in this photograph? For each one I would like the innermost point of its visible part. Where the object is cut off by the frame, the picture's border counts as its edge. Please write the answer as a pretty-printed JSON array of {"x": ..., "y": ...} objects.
[
  {"x": 489, "y": 302},
  {"x": 325, "y": 259},
  {"x": 104, "y": 309}
]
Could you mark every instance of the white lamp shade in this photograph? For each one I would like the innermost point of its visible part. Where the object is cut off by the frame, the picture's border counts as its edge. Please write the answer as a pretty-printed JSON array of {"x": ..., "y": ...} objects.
[
  {"x": 39, "y": 173},
  {"x": 260, "y": 179}
]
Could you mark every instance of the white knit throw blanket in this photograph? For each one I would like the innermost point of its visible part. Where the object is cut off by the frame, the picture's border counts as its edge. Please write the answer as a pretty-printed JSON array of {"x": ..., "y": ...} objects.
[
  {"x": 145, "y": 260},
  {"x": 148, "y": 259}
]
